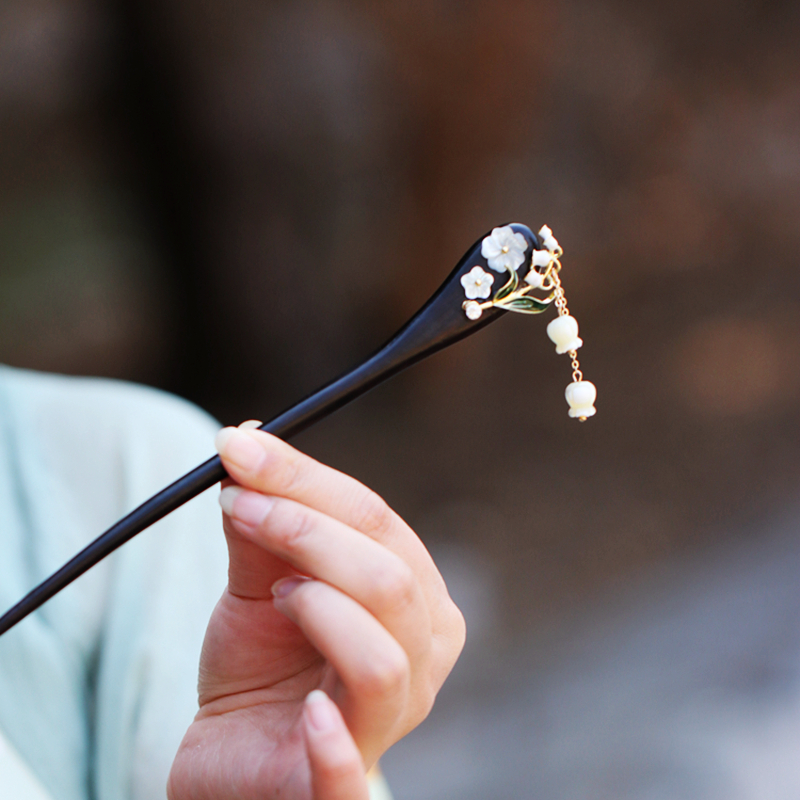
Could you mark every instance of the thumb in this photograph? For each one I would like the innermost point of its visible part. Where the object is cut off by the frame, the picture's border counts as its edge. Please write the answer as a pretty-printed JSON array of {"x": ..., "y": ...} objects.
[{"x": 337, "y": 770}]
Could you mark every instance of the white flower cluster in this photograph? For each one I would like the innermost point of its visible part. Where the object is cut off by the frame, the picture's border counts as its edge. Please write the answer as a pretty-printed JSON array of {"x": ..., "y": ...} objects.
[
  {"x": 504, "y": 251},
  {"x": 543, "y": 258}
]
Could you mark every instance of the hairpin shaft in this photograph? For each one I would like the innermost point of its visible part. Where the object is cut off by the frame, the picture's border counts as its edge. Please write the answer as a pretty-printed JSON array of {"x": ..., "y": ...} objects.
[{"x": 438, "y": 323}]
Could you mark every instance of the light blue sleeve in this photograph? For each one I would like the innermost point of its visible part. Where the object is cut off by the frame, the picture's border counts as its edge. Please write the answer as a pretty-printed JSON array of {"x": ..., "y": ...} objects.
[{"x": 98, "y": 687}]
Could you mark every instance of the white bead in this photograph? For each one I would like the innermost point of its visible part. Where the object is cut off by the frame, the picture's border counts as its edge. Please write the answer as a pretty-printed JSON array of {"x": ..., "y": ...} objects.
[
  {"x": 473, "y": 310},
  {"x": 581, "y": 396},
  {"x": 563, "y": 331}
]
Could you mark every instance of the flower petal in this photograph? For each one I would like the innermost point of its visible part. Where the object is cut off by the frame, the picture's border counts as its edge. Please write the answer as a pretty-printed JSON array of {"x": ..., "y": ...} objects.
[
  {"x": 492, "y": 245},
  {"x": 509, "y": 238},
  {"x": 490, "y": 248},
  {"x": 497, "y": 263},
  {"x": 501, "y": 234},
  {"x": 515, "y": 258}
]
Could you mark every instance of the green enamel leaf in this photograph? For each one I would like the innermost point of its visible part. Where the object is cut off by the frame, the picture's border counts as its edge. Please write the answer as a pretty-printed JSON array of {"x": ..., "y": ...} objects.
[
  {"x": 527, "y": 305},
  {"x": 509, "y": 287}
]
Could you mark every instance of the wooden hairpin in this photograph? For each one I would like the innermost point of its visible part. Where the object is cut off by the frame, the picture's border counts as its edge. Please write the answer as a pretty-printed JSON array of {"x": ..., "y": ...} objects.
[{"x": 531, "y": 263}]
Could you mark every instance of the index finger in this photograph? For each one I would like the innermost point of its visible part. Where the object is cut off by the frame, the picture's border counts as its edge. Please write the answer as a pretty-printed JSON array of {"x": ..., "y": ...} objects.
[{"x": 260, "y": 461}]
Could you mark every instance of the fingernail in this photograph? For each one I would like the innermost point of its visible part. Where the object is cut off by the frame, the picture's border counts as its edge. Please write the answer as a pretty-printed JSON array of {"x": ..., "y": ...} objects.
[
  {"x": 249, "y": 508},
  {"x": 320, "y": 713},
  {"x": 239, "y": 448},
  {"x": 227, "y": 498},
  {"x": 285, "y": 586},
  {"x": 251, "y": 423}
]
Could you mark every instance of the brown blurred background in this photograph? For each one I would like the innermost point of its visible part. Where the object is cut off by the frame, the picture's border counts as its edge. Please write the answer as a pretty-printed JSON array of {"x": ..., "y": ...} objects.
[{"x": 237, "y": 201}]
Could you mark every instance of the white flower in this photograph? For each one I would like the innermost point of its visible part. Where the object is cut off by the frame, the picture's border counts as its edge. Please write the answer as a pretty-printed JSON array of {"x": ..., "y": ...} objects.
[
  {"x": 548, "y": 240},
  {"x": 534, "y": 279},
  {"x": 472, "y": 310},
  {"x": 541, "y": 258},
  {"x": 477, "y": 283},
  {"x": 504, "y": 249}
]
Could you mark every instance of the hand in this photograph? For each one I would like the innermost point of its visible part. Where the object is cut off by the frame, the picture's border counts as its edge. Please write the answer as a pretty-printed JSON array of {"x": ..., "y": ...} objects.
[{"x": 328, "y": 590}]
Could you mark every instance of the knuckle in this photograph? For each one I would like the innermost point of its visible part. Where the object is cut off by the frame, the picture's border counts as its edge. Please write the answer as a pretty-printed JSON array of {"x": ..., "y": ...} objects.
[
  {"x": 373, "y": 514},
  {"x": 421, "y": 703},
  {"x": 426, "y": 700},
  {"x": 450, "y": 625},
  {"x": 385, "y": 677},
  {"x": 395, "y": 586},
  {"x": 448, "y": 642},
  {"x": 293, "y": 524},
  {"x": 304, "y": 598},
  {"x": 285, "y": 471},
  {"x": 458, "y": 626}
]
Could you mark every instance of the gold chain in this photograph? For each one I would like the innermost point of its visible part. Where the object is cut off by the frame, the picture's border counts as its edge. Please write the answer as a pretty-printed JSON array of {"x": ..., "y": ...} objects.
[{"x": 560, "y": 303}]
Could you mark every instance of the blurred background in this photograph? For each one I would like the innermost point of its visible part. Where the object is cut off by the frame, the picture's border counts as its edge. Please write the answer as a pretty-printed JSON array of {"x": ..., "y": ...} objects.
[{"x": 238, "y": 201}]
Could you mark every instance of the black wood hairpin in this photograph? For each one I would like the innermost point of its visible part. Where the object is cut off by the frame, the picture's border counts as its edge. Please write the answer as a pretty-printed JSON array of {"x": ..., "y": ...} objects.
[{"x": 465, "y": 303}]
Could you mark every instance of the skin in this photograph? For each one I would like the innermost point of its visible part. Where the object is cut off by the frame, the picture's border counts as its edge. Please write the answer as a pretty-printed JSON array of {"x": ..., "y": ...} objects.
[{"x": 328, "y": 590}]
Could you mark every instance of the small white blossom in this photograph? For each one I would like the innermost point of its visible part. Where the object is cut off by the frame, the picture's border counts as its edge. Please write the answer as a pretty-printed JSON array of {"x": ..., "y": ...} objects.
[
  {"x": 548, "y": 240},
  {"x": 477, "y": 283},
  {"x": 541, "y": 258},
  {"x": 534, "y": 279},
  {"x": 504, "y": 249},
  {"x": 472, "y": 310}
]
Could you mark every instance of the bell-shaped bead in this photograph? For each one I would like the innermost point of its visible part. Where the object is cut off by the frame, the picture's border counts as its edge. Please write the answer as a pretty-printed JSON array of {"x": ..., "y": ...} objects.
[
  {"x": 564, "y": 332},
  {"x": 534, "y": 279},
  {"x": 581, "y": 396},
  {"x": 541, "y": 258}
]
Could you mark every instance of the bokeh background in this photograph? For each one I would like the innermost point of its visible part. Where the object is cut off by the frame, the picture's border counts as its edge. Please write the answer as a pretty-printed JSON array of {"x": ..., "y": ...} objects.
[{"x": 238, "y": 201}]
